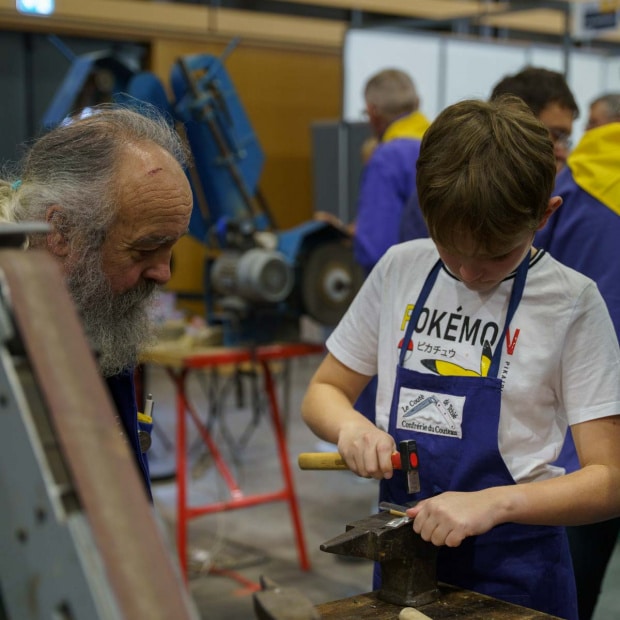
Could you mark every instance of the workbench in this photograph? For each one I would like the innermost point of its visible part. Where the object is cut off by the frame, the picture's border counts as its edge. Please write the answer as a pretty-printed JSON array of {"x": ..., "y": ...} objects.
[
  {"x": 179, "y": 361},
  {"x": 452, "y": 604}
]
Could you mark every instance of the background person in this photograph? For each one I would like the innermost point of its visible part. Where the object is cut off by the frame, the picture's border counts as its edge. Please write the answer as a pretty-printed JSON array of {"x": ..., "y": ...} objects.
[
  {"x": 507, "y": 342},
  {"x": 112, "y": 187},
  {"x": 584, "y": 234},
  {"x": 548, "y": 95},
  {"x": 603, "y": 110},
  {"x": 388, "y": 178}
]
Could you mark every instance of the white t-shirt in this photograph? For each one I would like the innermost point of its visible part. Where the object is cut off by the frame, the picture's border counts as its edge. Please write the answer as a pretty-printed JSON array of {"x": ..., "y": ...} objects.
[{"x": 560, "y": 362}]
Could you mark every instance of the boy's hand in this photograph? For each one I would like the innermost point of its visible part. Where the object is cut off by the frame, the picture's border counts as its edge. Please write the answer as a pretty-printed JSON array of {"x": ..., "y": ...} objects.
[
  {"x": 366, "y": 450},
  {"x": 449, "y": 518}
]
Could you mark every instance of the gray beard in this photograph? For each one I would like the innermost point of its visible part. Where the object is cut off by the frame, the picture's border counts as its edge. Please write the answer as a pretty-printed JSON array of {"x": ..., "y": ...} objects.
[{"x": 118, "y": 327}]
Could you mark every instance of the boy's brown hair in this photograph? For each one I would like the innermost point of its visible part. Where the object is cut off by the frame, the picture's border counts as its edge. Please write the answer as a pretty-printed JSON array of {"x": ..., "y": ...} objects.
[{"x": 486, "y": 169}]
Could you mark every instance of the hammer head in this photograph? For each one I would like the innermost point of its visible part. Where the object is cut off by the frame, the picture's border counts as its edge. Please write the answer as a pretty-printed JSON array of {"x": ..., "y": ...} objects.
[{"x": 409, "y": 464}]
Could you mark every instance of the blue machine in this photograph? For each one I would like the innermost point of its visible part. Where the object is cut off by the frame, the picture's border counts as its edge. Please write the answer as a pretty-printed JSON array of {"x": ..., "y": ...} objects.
[{"x": 262, "y": 280}]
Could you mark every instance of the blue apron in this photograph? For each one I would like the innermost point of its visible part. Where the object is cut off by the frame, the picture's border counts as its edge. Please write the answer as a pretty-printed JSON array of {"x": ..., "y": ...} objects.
[
  {"x": 123, "y": 392},
  {"x": 521, "y": 564}
]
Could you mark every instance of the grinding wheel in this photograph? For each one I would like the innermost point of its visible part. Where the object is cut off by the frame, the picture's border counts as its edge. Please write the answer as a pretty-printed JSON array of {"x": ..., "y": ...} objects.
[{"x": 330, "y": 281}]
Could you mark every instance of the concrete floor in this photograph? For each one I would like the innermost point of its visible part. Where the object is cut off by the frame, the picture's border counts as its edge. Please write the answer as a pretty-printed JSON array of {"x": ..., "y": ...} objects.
[{"x": 230, "y": 551}]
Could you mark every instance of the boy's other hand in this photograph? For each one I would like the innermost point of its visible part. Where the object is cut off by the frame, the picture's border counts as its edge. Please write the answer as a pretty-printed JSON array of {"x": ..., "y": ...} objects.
[{"x": 449, "y": 518}]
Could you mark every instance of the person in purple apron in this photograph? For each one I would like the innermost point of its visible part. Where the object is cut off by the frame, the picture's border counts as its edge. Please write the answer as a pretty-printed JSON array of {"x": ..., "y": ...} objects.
[{"x": 486, "y": 351}]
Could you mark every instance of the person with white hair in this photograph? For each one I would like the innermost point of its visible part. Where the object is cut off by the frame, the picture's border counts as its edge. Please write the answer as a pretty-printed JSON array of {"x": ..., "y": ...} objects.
[
  {"x": 603, "y": 110},
  {"x": 112, "y": 188}
]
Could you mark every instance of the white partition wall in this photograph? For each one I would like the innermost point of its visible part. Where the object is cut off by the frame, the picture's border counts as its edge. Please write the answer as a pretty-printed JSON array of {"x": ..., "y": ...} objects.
[
  {"x": 587, "y": 78},
  {"x": 612, "y": 74},
  {"x": 472, "y": 69},
  {"x": 368, "y": 51},
  {"x": 447, "y": 69}
]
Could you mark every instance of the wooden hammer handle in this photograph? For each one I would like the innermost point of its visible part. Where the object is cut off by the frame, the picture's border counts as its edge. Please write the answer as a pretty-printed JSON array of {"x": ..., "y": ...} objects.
[
  {"x": 331, "y": 460},
  {"x": 321, "y": 460}
]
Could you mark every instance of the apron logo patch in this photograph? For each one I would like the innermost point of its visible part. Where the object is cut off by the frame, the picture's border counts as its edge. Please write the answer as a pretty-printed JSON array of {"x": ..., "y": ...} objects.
[{"x": 427, "y": 412}]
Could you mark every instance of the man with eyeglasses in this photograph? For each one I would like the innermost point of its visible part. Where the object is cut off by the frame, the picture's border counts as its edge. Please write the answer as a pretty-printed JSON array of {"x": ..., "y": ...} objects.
[
  {"x": 548, "y": 95},
  {"x": 583, "y": 234}
]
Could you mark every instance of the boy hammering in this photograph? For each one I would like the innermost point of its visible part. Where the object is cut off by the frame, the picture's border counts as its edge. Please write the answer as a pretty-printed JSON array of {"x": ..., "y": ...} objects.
[{"x": 486, "y": 350}]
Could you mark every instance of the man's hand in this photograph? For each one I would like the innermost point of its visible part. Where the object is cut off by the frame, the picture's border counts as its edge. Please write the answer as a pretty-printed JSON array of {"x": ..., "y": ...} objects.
[
  {"x": 449, "y": 518},
  {"x": 335, "y": 221}
]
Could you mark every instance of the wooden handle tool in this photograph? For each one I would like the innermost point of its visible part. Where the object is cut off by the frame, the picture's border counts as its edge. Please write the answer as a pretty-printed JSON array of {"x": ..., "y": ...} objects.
[
  {"x": 406, "y": 459},
  {"x": 409, "y": 613},
  {"x": 333, "y": 460}
]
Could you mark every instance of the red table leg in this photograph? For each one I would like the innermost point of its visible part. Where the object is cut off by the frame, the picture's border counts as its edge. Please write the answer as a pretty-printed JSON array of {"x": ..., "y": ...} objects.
[
  {"x": 181, "y": 460},
  {"x": 284, "y": 462},
  {"x": 185, "y": 513}
]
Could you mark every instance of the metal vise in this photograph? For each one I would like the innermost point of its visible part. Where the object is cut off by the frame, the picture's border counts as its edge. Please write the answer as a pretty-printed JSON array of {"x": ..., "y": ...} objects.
[{"x": 408, "y": 563}]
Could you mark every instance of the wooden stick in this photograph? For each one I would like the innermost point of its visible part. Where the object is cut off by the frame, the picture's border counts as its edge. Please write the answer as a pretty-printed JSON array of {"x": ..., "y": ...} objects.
[{"x": 409, "y": 613}]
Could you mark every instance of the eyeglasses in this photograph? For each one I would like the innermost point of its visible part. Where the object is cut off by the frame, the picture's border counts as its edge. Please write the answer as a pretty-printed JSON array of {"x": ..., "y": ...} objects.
[{"x": 561, "y": 139}]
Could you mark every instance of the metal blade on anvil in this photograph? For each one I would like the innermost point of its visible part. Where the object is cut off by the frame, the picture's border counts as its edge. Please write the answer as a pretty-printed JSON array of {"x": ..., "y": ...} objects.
[{"x": 396, "y": 509}]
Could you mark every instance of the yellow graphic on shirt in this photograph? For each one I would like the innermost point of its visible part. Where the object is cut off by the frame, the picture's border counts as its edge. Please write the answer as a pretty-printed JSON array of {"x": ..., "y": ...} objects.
[
  {"x": 450, "y": 369},
  {"x": 406, "y": 317}
]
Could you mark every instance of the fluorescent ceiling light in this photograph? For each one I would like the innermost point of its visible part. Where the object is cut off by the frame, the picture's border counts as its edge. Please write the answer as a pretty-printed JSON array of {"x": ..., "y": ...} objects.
[{"x": 35, "y": 7}]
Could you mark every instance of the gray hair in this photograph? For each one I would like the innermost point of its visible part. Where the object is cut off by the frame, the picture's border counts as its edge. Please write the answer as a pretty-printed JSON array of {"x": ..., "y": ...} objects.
[
  {"x": 74, "y": 165},
  {"x": 392, "y": 92},
  {"x": 612, "y": 105}
]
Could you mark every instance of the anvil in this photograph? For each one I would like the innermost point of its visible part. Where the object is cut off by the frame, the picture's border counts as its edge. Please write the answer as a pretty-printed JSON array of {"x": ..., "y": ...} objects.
[{"x": 408, "y": 563}]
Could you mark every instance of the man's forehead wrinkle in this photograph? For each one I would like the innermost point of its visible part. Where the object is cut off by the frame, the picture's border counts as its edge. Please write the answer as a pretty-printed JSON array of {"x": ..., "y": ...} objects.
[
  {"x": 158, "y": 195},
  {"x": 154, "y": 171}
]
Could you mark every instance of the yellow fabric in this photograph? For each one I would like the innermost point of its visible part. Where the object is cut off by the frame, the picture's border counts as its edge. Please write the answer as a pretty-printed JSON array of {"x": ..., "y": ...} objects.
[
  {"x": 411, "y": 126},
  {"x": 145, "y": 419},
  {"x": 594, "y": 164}
]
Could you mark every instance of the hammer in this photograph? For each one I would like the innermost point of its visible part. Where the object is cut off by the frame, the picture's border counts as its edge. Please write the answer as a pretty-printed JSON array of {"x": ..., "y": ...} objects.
[{"x": 405, "y": 459}]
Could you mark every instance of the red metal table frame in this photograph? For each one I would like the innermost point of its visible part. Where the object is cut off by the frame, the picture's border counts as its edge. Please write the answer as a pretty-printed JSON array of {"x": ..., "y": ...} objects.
[{"x": 178, "y": 365}]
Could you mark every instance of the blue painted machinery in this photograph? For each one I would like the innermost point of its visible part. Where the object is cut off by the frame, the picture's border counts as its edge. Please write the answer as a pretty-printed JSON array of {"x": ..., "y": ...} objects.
[{"x": 258, "y": 281}]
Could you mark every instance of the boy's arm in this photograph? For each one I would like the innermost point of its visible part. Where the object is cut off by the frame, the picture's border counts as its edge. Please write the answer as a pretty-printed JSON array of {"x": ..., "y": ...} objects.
[
  {"x": 588, "y": 495},
  {"x": 328, "y": 410}
]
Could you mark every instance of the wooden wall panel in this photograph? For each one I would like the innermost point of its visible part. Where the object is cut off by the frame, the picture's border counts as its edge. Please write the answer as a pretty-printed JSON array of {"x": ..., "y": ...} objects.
[{"x": 283, "y": 92}]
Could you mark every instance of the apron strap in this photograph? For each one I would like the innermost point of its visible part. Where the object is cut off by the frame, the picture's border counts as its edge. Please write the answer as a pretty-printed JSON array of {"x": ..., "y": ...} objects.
[
  {"x": 515, "y": 298},
  {"x": 417, "y": 309}
]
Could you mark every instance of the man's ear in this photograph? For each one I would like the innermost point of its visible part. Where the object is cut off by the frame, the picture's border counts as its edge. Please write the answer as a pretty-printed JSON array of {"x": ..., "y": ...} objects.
[
  {"x": 57, "y": 241},
  {"x": 554, "y": 203}
]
